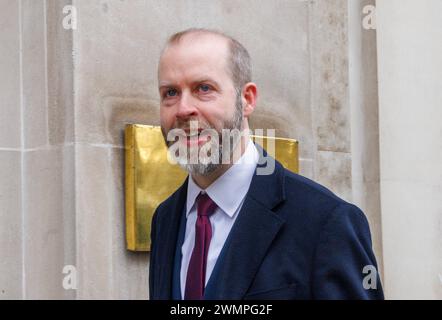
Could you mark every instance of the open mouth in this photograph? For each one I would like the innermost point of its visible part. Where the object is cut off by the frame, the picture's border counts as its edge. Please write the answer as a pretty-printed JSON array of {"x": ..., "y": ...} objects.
[{"x": 195, "y": 138}]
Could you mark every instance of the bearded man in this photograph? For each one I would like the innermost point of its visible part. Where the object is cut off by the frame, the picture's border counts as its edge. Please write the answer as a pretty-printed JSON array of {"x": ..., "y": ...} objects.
[{"x": 229, "y": 232}]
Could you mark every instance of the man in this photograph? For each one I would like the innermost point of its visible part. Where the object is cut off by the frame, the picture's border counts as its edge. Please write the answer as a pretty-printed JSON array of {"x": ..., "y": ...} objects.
[{"x": 229, "y": 232}]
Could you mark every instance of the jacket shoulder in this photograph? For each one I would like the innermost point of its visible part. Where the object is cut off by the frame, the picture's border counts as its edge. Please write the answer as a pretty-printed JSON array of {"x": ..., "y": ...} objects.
[
  {"x": 169, "y": 204},
  {"x": 297, "y": 185},
  {"x": 315, "y": 201}
]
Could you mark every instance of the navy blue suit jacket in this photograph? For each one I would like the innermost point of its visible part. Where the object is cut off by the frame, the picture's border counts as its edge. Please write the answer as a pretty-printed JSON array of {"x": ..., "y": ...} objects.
[{"x": 293, "y": 239}]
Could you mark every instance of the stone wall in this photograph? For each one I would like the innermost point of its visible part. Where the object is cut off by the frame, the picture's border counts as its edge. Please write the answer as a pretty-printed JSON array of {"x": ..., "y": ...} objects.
[
  {"x": 37, "y": 151},
  {"x": 67, "y": 95},
  {"x": 410, "y": 113}
]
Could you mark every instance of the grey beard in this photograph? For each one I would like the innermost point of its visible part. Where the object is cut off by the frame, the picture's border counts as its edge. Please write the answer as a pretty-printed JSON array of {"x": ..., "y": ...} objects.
[
  {"x": 204, "y": 169},
  {"x": 201, "y": 169}
]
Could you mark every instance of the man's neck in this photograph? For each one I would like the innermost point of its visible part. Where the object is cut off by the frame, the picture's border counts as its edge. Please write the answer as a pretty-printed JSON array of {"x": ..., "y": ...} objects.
[{"x": 204, "y": 181}]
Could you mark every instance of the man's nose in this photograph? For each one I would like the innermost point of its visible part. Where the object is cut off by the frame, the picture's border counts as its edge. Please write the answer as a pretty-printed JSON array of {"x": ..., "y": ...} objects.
[{"x": 186, "y": 107}]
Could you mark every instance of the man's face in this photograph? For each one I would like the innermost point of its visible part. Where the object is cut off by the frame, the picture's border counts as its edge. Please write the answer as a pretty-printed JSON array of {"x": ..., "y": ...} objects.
[{"x": 195, "y": 85}]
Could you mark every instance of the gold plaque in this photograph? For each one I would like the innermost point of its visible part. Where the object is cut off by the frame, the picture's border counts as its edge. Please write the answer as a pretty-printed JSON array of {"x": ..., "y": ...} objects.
[{"x": 150, "y": 178}]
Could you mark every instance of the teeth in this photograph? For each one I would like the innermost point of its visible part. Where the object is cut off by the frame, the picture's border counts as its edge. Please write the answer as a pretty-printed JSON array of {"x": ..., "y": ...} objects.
[{"x": 193, "y": 135}]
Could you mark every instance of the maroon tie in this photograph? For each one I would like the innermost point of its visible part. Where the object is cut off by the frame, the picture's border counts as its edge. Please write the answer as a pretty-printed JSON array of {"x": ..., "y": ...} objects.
[{"x": 196, "y": 273}]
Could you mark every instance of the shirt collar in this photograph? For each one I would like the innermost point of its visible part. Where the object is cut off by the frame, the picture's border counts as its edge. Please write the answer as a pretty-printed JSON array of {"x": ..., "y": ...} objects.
[{"x": 229, "y": 189}]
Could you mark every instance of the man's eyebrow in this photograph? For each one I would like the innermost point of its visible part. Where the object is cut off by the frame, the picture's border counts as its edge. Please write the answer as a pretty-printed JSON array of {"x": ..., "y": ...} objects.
[
  {"x": 166, "y": 85},
  {"x": 205, "y": 79},
  {"x": 200, "y": 80}
]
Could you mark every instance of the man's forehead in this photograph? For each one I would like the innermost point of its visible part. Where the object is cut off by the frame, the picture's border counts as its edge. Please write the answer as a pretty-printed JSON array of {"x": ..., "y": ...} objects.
[
  {"x": 197, "y": 45},
  {"x": 204, "y": 52},
  {"x": 200, "y": 38}
]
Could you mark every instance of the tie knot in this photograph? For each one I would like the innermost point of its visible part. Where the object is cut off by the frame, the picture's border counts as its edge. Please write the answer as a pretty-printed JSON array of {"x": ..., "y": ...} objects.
[{"x": 205, "y": 205}]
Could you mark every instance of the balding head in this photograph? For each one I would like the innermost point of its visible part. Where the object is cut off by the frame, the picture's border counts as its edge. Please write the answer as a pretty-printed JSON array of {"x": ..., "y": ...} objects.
[
  {"x": 204, "y": 77},
  {"x": 238, "y": 62}
]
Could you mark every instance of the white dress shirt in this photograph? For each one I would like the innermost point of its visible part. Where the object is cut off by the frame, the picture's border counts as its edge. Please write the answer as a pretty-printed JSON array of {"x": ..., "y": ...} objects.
[{"x": 228, "y": 192}]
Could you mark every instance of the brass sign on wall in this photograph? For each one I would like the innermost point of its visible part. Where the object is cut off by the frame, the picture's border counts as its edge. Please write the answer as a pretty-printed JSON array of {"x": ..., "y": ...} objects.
[{"x": 150, "y": 178}]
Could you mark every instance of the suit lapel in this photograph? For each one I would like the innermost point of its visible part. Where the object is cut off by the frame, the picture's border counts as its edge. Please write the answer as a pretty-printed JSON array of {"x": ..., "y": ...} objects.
[
  {"x": 167, "y": 243},
  {"x": 251, "y": 236}
]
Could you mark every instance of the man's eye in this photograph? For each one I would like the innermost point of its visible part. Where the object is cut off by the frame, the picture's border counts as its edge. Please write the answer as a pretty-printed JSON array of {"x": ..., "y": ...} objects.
[
  {"x": 171, "y": 93},
  {"x": 204, "y": 87}
]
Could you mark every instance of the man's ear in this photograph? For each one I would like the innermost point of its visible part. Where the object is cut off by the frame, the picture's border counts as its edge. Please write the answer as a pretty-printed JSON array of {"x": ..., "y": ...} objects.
[{"x": 249, "y": 98}]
